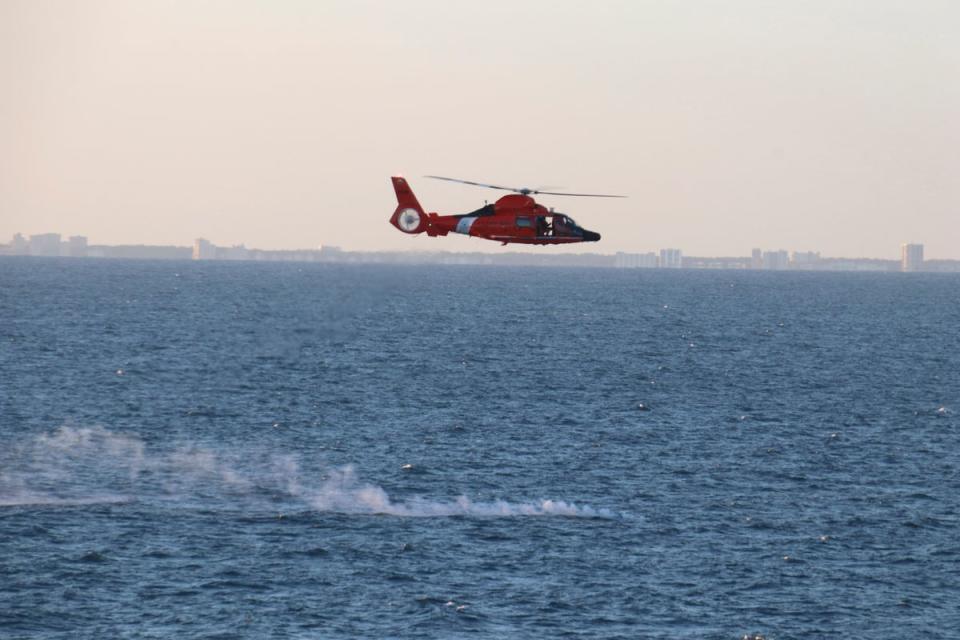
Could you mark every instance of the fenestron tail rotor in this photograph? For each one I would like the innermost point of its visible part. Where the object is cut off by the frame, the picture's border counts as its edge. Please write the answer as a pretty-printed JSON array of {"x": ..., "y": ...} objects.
[{"x": 525, "y": 191}]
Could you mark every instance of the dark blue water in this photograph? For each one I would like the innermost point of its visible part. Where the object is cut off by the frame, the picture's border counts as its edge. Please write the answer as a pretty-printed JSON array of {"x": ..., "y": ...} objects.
[{"x": 322, "y": 451}]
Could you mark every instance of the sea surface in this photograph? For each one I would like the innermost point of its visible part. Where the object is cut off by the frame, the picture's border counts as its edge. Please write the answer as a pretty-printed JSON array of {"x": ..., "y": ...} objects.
[{"x": 217, "y": 450}]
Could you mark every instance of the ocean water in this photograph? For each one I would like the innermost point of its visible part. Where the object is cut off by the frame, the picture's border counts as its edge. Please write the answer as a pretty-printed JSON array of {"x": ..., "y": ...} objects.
[{"x": 210, "y": 450}]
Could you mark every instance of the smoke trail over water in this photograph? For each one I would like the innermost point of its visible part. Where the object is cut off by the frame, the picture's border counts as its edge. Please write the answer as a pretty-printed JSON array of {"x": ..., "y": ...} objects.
[{"x": 82, "y": 466}]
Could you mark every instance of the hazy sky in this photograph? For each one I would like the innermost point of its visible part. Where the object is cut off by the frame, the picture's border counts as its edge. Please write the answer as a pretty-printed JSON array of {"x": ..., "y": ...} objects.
[{"x": 806, "y": 125}]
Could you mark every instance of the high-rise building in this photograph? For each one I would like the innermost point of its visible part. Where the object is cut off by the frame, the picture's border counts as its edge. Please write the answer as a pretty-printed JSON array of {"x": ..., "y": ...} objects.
[
  {"x": 19, "y": 245},
  {"x": 76, "y": 247},
  {"x": 911, "y": 257},
  {"x": 671, "y": 258},
  {"x": 756, "y": 259},
  {"x": 776, "y": 259},
  {"x": 45, "y": 244},
  {"x": 204, "y": 249}
]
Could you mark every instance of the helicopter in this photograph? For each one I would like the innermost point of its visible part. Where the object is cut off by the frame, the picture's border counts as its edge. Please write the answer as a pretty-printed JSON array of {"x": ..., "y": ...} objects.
[{"x": 515, "y": 217}]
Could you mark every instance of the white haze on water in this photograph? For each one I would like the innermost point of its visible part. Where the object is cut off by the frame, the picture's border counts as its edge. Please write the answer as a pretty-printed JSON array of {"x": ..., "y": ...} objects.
[{"x": 75, "y": 466}]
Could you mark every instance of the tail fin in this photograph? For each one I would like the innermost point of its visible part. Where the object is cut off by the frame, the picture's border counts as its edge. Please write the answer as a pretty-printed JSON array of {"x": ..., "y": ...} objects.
[
  {"x": 409, "y": 216},
  {"x": 405, "y": 197}
]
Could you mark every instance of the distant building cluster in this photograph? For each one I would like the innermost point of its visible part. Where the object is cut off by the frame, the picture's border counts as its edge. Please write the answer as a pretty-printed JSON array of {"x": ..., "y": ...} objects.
[
  {"x": 666, "y": 259},
  {"x": 52, "y": 245},
  {"x": 674, "y": 259},
  {"x": 636, "y": 260},
  {"x": 911, "y": 259},
  {"x": 203, "y": 249},
  {"x": 46, "y": 244}
]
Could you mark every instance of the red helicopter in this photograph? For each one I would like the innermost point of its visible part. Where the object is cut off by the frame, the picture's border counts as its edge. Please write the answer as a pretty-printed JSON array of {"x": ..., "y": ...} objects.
[{"x": 512, "y": 218}]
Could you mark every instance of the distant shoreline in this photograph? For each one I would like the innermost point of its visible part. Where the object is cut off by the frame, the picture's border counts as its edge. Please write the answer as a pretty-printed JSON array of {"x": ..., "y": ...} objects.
[{"x": 592, "y": 260}]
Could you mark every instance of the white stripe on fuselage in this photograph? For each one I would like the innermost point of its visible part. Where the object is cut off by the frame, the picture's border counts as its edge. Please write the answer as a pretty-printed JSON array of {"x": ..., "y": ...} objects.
[{"x": 463, "y": 226}]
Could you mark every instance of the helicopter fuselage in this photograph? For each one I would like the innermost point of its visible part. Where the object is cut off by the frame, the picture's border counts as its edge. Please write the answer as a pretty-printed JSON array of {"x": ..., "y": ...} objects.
[{"x": 514, "y": 218}]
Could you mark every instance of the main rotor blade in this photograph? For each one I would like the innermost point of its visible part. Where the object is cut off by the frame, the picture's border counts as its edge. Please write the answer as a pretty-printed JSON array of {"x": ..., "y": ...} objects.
[
  {"x": 583, "y": 195},
  {"x": 476, "y": 184},
  {"x": 525, "y": 191}
]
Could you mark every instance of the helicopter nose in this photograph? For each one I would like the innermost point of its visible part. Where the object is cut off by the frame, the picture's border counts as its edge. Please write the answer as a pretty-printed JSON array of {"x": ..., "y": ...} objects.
[{"x": 590, "y": 236}]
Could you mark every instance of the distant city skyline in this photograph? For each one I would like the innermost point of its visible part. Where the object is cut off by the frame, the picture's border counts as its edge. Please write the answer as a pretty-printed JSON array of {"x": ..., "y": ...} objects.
[
  {"x": 53, "y": 245},
  {"x": 827, "y": 125}
]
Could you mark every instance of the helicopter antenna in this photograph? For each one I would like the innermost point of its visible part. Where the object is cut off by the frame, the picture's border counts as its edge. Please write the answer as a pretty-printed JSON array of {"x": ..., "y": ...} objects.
[{"x": 524, "y": 190}]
